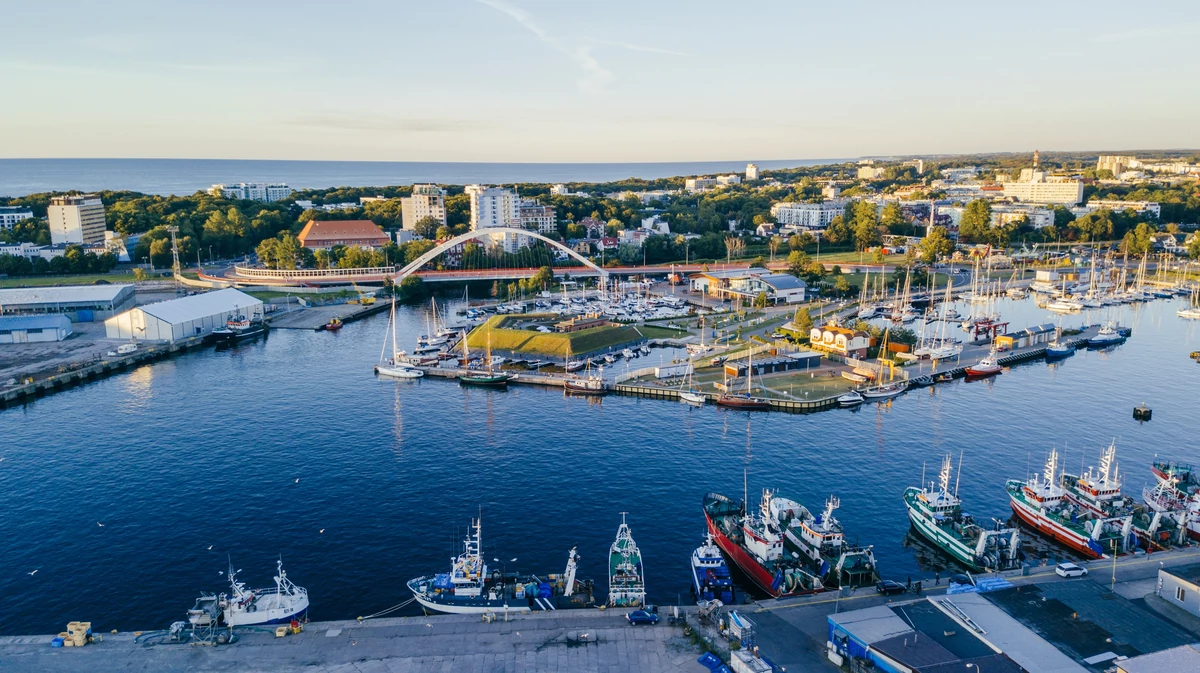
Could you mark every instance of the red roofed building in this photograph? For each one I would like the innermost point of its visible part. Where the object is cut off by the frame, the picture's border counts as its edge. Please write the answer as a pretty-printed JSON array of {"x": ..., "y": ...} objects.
[{"x": 324, "y": 234}]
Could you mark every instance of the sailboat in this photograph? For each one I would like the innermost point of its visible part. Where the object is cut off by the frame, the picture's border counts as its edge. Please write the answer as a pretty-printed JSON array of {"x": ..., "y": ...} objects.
[
  {"x": 744, "y": 400},
  {"x": 489, "y": 378},
  {"x": 689, "y": 394},
  {"x": 588, "y": 384},
  {"x": 394, "y": 367},
  {"x": 884, "y": 390}
]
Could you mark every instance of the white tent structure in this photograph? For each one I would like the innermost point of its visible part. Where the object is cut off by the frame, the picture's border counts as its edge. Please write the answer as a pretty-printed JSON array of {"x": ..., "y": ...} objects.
[{"x": 181, "y": 318}]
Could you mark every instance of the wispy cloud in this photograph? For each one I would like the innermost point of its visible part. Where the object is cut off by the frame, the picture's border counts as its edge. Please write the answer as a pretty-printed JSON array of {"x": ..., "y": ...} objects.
[
  {"x": 595, "y": 77},
  {"x": 385, "y": 124}
]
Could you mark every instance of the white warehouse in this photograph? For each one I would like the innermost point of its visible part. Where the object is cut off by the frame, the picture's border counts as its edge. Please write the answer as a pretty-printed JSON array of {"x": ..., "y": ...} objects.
[{"x": 181, "y": 318}]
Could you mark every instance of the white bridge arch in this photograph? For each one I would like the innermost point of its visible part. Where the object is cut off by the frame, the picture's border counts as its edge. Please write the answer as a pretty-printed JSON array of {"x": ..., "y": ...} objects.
[{"x": 415, "y": 265}]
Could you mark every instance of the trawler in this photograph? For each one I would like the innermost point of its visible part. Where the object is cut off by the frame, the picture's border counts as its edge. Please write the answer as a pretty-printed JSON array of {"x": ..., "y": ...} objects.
[
  {"x": 820, "y": 541},
  {"x": 1041, "y": 502},
  {"x": 240, "y": 327},
  {"x": 936, "y": 513},
  {"x": 281, "y": 604},
  {"x": 472, "y": 588},
  {"x": 710, "y": 575},
  {"x": 754, "y": 542},
  {"x": 626, "y": 581}
]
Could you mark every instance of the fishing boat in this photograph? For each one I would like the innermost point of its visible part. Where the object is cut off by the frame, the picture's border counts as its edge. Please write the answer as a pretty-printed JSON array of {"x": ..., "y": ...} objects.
[
  {"x": 240, "y": 327},
  {"x": 753, "y": 541},
  {"x": 626, "y": 579},
  {"x": 710, "y": 575},
  {"x": 1107, "y": 336},
  {"x": 988, "y": 366},
  {"x": 1175, "y": 492},
  {"x": 333, "y": 325},
  {"x": 472, "y": 588},
  {"x": 1057, "y": 348},
  {"x": 744, "y": 400},
  {"x": 819, "y": 541},
  {"x": 281, "y": 604},
  {"x": 588, "y": 384},
  {"x": 936, "y": 513},
  {"x": 850, "y": 399},
  {"x": 396, "y": 366},
  {"x": 1041, "y": 503}
]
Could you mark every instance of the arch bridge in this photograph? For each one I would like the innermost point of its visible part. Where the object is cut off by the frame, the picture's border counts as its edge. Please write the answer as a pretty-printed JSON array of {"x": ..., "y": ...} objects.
[{"x": 415, "y": 265}]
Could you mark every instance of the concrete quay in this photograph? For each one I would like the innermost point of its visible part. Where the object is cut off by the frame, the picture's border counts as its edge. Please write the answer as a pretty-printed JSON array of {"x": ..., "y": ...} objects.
[{"x": 583, "y": 641}]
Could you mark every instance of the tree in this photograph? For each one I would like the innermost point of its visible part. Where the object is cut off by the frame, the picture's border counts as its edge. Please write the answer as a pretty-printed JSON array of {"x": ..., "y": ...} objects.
[
  {"x": 1097, "y": 226},
  {"x": 802, "y": 322},
  {"x": 841, "y": 285},
  {"x": 427, "y": 227},
  {"x": 1193, "y": 246},
  {"x": 935, "y": 245},
  {"x": 543, "y": 279},
  {"x": 1138, "y": 241},
  {"x": 838, "y": 230},
  {"x": 760, "y": 300},
  {"x": 893, "y": 218},
  {"x": 866, "y": 225},
  {"x": 976, "y": 221},
  {"x": 797, "y": 263},
  {"x": 814, "y": 272},
  {"x": 773, "y": 245}
]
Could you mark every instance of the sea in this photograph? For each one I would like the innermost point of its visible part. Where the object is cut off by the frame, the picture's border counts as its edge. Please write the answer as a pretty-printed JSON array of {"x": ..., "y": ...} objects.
[
  {"x": 19, "y": 177},
  {"x": 127, "y": 497}
]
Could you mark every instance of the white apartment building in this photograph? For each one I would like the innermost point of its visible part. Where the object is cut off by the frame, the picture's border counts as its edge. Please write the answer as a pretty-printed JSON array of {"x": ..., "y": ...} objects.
[
  {"x": 426, "y": 201},
  {"x": 76, "y": 219},
  {"x": 1116, "y": 163},
  {"x": 918, "y": 164},
  {"x": 870, "y": 172},
  {"x": 10, "y": 215},
  {"x": 751, "y": 172},
  {"x": 559, "y": 190},
  {"x": 536, "y": 217},
  {"x": 960, "y": 174},
  {"x": 699, "y": 184},
  {"x": 831, "y": 191},
  {"x": 1042, "y": 189},
  {"x": 252, "y": 191},
  {"x": 496, "y": 207},
  {"x": 726, "y": 180},
  {"x": 1119, "y": 207},
  {"x": 810, "y": 216},
  {"x": 1038, "y": 217}
]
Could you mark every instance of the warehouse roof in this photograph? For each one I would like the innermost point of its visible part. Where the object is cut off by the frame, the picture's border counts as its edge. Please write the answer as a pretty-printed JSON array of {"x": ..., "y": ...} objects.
[
  {"x": 871, "y": 625},
  {"x": 12, "y": 322},
  {"x": 199, "y": 306},
  {"x": 1187, "y": 573},
  {"x": 1182, "y": 659},
  {"x": 783, "y": 281},
  {"x": 66, "y": 294}
]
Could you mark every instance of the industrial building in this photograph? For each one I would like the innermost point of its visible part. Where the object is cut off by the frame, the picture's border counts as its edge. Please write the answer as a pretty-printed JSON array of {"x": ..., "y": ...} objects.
[
  {"x": 20, "y": 329},
  {"x": 181, "y": 318},
  {"x": 1181, "y": 586},
  {"x": 81, "y": 303}
]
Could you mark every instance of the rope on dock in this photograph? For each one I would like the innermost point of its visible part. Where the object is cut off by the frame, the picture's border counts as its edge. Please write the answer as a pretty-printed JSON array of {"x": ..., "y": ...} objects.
[{"x": 387, "y": 611}]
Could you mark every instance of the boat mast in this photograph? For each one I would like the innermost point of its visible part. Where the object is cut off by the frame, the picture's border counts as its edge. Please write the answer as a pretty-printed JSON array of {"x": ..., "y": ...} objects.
[{"x": 959, "y": 476}]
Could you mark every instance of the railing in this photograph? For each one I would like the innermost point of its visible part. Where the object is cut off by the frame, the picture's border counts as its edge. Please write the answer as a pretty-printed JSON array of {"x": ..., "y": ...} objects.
[{"x": 255, "y": 272}]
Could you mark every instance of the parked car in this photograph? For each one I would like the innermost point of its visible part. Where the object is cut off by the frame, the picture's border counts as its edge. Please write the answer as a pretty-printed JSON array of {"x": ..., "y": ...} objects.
[
  {"x": 888, "y": 588},
  {"x": 641, "y": 617},
  {"x": 778, "y": 335},
  {"x": 1070, "y": 570}
]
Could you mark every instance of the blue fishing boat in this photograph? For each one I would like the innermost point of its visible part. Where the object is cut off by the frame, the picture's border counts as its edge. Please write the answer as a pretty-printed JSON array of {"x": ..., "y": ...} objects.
[{"x": 710, "y": 575}]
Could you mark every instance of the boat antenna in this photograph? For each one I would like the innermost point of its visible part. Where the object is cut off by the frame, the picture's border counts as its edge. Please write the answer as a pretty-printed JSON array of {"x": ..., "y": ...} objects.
[
  {"x": 745, "y": 493},
  {"x": 922, "y": 474},
  {"x": 957, "y": 478}
]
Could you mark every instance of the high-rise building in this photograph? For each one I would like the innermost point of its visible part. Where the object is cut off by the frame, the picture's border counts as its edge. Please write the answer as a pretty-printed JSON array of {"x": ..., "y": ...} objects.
[
  {"x": 1115, "y": 163},
  {"x": 811, "y": 216},
  {"x": 76, "y": 219},
  {"x": 496, "y": 207},
  {"x": 535, "y": 216},
  {"x": 252, "y": 191},
  {"x": 751, "y": 172},
  {"x": 426, "y": 201},
  {"x": 1039, "y": 188},
  {"x": 10, "y": 215}
]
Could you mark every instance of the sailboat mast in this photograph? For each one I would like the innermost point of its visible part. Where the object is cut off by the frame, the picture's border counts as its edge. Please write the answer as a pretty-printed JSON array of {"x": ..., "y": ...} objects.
[
  {"x": 392, "y": 319},
  {"x": 959, "y": 477}
]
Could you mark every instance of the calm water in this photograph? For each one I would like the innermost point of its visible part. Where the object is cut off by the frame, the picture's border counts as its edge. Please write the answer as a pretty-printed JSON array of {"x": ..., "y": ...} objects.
[
  {"x": 205, "y": 449},
  {"x": 185, "y": 176}
]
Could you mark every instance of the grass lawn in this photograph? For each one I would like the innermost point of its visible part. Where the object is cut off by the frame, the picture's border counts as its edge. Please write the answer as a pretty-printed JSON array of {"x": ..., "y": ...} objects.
[
  {"x": 558, "y": 344},
  {"x": 82, "y": 279}
]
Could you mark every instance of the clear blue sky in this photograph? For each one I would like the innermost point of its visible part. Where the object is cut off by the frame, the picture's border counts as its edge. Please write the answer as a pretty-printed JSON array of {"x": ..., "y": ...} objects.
[{"x": 594, "y": 80}]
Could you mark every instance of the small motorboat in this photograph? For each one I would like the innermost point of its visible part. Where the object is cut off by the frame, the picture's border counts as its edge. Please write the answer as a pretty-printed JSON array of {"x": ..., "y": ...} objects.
[
  {"x": 944, "y": 377},
  {"x": 1059, "y": 349},
  {"x": 850, "y": 399},
  {"x": 1107, "y": 336},
  {"x": 692, "y": 397},
  {"x": 333, "y": 325},
  {"x": 988, "y": 366}
]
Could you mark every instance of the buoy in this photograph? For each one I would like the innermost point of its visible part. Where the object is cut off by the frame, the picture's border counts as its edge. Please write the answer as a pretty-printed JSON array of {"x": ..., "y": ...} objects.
[{"x": 1142, "y": 413}]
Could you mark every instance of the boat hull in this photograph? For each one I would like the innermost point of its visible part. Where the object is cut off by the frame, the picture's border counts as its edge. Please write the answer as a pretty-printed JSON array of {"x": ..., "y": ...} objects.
[
  {"x": 399, "y": 372},
  {"x": 578, "y": 389},
  {"x": 979, "y": 373},
  {"x": 484, "y": 381},
  {"x": 942, "y": 541},
  {"x": 276, "y": 616},
  {"x": 1054, "y": 531},
  {"x": 743, "y": 403},
  {"x": 761, "y": 577}
]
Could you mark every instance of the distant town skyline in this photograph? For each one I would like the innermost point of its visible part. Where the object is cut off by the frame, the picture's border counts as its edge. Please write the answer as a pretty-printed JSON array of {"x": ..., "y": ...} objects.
[{"x": 619, "y": 81}]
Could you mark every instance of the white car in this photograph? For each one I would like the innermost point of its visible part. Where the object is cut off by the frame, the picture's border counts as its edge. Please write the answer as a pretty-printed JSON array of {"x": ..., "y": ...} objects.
[{"x": 1070, "y": 570}]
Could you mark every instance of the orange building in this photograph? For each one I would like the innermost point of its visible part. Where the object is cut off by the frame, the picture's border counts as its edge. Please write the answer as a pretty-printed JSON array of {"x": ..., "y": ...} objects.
[{"x": 324, "y": 234}]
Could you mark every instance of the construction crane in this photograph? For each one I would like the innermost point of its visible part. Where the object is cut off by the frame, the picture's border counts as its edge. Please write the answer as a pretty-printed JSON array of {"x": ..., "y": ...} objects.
[{"x": 363, "y": 298}]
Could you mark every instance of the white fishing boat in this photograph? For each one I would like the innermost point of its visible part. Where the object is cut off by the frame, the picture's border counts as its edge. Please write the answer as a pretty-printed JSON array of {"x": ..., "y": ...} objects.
[
  {"x": 626, "y": 577},
  {"x": 1107, "y": 336},
  {"x": 988, "y": 366},
  {"x": 281, "y": 604}
]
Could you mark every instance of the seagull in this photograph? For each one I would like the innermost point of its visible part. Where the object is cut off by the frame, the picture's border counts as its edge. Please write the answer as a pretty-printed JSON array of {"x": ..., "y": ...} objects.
[
  {"x": 100, "y": 524},
  {"x": 33, "y": 573},
  {"x": 220, "y": 572},
  {"x": 297, "y": 480},
  {"x": 429, "y": 626},
  {"x": 210, "y": 547},
  {"x": 321, "y": 531}
]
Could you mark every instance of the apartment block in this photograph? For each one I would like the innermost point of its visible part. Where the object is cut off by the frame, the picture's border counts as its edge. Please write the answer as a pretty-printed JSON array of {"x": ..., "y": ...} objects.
[
  {"x": 76, "y": 219},
  {"x": 426, "y": 201}
]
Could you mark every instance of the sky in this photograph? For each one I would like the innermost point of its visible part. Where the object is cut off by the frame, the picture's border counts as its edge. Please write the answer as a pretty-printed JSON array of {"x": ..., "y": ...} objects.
[{"x": 594, "y": 80}]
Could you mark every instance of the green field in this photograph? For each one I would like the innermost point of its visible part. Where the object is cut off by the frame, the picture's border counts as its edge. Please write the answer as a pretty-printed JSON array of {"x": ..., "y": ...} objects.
[
  {"x": 560, "y": 345},
  {"x": 83, "y": 279}
]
